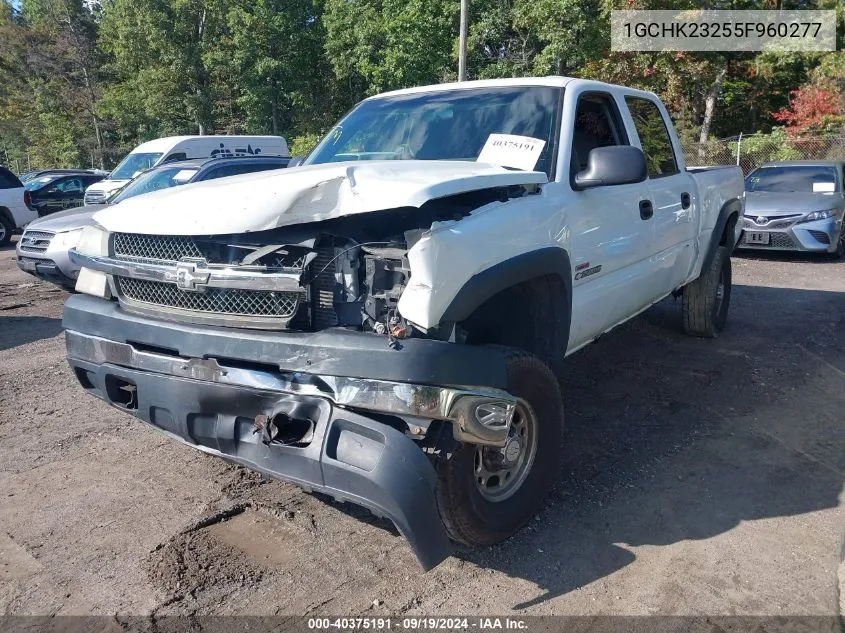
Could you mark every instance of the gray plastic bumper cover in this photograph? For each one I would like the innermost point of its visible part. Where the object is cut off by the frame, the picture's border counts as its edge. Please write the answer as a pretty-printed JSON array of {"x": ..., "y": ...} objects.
[{"x": 350, "y": 457}]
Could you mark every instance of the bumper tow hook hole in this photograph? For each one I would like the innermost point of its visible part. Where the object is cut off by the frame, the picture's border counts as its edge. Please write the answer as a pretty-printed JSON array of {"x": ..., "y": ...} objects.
[
  {"x": 122, "y": 393},
  {"x": 283, "y": 429}
]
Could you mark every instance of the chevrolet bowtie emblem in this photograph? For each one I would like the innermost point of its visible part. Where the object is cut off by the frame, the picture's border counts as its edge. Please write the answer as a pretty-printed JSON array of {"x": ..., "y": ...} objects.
[{"x": 189, "y": 275}]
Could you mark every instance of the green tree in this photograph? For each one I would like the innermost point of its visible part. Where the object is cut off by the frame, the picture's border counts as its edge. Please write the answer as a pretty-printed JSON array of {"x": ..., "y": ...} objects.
[{"x": 378, "y": 45}]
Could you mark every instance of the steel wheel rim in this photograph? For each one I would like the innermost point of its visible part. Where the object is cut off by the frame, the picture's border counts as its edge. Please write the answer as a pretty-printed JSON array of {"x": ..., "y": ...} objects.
[{"x": 500, "y": 472}]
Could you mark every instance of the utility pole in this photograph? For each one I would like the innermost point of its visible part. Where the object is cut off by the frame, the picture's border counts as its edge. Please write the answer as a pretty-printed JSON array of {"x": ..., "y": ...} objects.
[{"x": 462, "y": 52}]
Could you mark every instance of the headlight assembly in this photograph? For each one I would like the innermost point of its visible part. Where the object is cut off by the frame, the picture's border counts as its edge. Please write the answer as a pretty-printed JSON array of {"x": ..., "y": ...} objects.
[
  {"x": 818, "y": 215},
  {"x": 67, "y": 240},
  {"x": 93, "y": 240}
]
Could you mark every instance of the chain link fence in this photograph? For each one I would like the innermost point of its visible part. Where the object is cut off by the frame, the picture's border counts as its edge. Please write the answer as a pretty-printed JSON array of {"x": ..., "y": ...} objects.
[{"x": 753, "y": 150}]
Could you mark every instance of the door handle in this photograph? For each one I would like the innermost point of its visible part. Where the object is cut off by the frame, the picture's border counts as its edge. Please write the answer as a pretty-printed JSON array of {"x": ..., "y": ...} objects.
[
  {"x": 685, "y": 200},
  {"x": 646, "y": 210}
]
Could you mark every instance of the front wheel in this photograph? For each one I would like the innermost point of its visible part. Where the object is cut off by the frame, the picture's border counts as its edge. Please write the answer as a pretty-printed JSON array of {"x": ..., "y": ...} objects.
[
  {"x": 707, "y": 299},
  {"x": 486, "y": 494},
  {"x": 6, "y": 230}
]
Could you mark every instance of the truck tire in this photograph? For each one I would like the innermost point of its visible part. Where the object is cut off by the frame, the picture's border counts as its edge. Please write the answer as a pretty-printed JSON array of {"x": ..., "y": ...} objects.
[
  {"x": 6, "y": 229},
  {"x": 486, "y": 494},
  {"x": 707, "y": 299}
]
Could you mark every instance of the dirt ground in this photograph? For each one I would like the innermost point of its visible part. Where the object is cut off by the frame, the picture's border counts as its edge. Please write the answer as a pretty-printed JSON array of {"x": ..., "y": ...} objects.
[{"x": 701, "y": 478}]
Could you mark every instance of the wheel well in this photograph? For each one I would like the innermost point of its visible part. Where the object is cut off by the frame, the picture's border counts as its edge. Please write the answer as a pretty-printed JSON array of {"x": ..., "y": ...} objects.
[
  {"x": 728, "y": 233},
  {"x": 532, "y": 316},
  {"x": 4, "y": 211}
]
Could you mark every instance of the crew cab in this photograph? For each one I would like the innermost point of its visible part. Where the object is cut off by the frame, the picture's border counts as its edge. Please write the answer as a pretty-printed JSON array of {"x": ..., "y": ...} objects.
[{"x": 379, "y": 324}]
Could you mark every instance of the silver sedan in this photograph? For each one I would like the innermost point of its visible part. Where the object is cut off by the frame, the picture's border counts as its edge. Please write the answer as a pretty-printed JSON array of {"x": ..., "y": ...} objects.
[{"x": 795, "y": 206}]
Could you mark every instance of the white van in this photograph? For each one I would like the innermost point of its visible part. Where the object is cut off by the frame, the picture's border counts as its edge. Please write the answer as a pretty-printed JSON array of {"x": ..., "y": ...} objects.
[{"x": 170, "y": 148}]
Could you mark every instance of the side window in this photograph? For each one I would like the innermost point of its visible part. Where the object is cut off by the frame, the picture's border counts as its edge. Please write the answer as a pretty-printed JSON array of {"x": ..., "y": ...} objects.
[
  {"x": 234, "y": 170},
  {"x": 71, "y": 185},
  {"x": 8, "y": 180},
  {"x": 654, "y": 137},
  {"x": 597, "y": 124},
  {"x": 174, "y": 157}
]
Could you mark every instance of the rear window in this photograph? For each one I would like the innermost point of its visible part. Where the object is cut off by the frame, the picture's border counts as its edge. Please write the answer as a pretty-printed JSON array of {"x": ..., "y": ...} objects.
[
  {"x": 41, "y": 181},
  {"x": 793, "y": 179}
]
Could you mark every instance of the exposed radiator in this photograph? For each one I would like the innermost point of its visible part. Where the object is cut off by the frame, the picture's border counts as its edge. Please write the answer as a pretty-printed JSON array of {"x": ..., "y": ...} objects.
[{"x": 322, "y": 289}]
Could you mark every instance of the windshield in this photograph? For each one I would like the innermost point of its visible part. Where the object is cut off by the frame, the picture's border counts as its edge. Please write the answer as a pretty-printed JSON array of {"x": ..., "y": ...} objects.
[
  {"x": 134, "y": 163},
  {"x": 796, "y": 178},
  {"x": 153, "y": 181},
  {"x": 447, "y": 125},
  {"x": 37, "y": 183}
]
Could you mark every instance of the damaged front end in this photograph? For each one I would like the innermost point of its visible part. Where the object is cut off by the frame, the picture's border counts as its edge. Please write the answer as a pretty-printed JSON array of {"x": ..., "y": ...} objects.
[{"x": 285, "y": 351}]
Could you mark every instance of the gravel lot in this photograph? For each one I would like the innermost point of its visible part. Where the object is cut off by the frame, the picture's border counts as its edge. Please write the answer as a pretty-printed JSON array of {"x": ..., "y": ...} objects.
[{"x": 701, "y": 477}]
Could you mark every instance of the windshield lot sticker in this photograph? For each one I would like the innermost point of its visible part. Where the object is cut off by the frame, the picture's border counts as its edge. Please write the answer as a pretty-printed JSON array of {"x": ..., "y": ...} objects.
[
  {"x": 824, "y": 187},
  {"x": 509, "y": 150}
]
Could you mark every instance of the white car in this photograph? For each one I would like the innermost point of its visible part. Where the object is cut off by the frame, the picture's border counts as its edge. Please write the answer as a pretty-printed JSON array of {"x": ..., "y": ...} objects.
[
  {"x": 378, "y": 324},
  {"x": 14, "y": 212},
  {"x": 174, "y": 148}
]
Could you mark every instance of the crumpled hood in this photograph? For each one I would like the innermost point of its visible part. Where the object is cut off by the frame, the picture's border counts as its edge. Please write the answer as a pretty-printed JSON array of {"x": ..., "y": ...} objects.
[
  {"x": 270, "y": 199},
  {"x": 772, "y": 205},
  {"x": 67, "y": 220}
]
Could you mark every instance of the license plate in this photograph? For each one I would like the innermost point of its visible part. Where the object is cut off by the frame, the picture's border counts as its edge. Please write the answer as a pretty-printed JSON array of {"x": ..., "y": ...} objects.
[
  {"x": 757, "y": 237},
  {"x": 28, "y": 266}
]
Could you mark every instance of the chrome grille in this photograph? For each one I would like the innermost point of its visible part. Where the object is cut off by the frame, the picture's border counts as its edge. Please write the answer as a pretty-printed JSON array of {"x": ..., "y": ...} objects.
[
  {"x": 750, "y": 222},
  {"x": 94, "y": 197},
  {"x": 780, "y": 224},
  {"x": 164, "y": 248},
  {"x": 35, "y": 241},
  {"x": 173, "y": 248},
  {"x": 214, "y": 301}
]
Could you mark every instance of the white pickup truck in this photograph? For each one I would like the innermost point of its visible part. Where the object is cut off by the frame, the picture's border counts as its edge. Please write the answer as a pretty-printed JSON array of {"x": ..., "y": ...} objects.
[{"x": 378, "y": 324}]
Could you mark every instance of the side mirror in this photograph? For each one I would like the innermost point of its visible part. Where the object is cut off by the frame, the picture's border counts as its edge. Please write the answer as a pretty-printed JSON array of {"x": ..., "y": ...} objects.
[
  {"x": 615, "y": 165},
  {"x": 296, "y": 161}
]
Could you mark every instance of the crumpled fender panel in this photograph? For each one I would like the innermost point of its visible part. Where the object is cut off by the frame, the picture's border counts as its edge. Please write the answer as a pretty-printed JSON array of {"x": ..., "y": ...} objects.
[
  {"x": 272, "y": 199},
  {"x": 445, "y": 258}
]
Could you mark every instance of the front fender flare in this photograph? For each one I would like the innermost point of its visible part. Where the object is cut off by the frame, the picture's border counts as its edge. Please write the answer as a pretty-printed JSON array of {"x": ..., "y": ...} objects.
[{"x": 484, "y": 285}]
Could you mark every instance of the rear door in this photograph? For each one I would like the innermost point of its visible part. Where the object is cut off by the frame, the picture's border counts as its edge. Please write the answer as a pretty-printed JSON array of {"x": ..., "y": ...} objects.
[
  {"x": 612, "y": 238},
  {"x": 672, "y": 195}
]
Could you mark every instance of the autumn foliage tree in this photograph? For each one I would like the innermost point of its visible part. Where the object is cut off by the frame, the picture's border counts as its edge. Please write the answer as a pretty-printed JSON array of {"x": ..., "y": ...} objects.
[{"x": 811, "y": 109}]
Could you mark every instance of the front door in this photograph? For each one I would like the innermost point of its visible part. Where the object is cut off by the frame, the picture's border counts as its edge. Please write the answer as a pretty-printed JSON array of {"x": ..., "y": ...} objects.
[{"x": 612, "y": 232}]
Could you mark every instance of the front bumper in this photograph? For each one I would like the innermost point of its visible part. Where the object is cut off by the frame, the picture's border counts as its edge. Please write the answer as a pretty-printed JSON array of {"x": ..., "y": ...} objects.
[
  {"x": 206, "y": 386},
  {"x": 820, "y": 236},
  {"x": 47, "y": 262}
]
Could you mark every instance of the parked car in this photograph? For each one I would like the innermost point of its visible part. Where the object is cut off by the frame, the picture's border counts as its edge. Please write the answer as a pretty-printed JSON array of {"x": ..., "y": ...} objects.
[
  {"x": 14, "y": 213},
  {"x": 795, "y": 206},
  {"x": 407, "y": 289},
  {"x": 25, "y": 178},
  {"x": 175, "y": 148},
  {"x": 53, "y": 192},
  {"x": 43, "y": 248}
]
